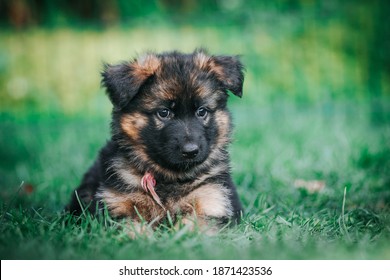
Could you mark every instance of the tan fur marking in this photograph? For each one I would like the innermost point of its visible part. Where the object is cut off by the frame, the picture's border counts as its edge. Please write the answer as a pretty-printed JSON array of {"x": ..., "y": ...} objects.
[
  {"x": 117, "y": 204},
  {"x": 204, "y": 90},
  {"x": 163, "y": 92},
  {"x": 201, "y": 60},
  {"x": 150, "y": 103},
  {"x": 210, "y": 200},
  {"x": 208, "y": 63},
  {"x": 128, "y": 204},
  {"x": 146, "y": 207},
  {"x": 166, "y": 89},
  {"x": 145, "y": 66},
  {"x": 218, "y": 70},
  {"x": 149, "y": 61},
  {"x": 132, "y": 125},
  {"x": 223, "y": 121},
  {"x": 127, "y": 173},
  {"x": 129, "y": 178}
]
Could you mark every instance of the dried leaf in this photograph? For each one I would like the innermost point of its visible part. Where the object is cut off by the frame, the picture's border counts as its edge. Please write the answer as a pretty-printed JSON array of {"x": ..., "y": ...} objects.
[
  {"x": 27, "y": 189},
  {"x": 312, "y": 186}
]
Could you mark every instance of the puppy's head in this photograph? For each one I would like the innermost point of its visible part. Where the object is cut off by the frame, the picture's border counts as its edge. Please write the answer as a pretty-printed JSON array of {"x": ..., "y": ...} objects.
[{"x": 170, "y": 109}]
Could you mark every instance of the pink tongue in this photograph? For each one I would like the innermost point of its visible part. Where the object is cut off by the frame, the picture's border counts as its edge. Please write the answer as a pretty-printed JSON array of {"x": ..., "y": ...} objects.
[{"x": 148, "y": 183}]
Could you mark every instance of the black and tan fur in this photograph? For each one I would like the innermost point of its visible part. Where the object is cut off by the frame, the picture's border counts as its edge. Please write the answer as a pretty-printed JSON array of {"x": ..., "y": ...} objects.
[{"x": 169, "y": 119}]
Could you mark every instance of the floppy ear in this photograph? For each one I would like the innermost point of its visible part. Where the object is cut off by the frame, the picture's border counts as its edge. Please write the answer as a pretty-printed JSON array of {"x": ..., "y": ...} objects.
[
  {"x": 227, "y": 69},
  {"x": 124, "y": 80}
]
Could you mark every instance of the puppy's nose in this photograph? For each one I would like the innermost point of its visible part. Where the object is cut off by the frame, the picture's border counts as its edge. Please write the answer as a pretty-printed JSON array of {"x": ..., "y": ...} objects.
[{"x": 190, "y": 150}]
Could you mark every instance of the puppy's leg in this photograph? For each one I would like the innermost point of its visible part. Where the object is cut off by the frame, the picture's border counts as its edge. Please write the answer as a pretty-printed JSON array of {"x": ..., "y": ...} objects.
[
  {"x": 138, "y": 209},
  {"x": 207, "y": 208}
]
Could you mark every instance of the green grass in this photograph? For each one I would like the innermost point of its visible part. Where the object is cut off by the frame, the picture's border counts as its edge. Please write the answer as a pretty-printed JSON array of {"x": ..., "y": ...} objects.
[
  {"x": 273, "y": 146},
  {"x": 60, "y": 69},
  {"x": 313, "y": 109}
]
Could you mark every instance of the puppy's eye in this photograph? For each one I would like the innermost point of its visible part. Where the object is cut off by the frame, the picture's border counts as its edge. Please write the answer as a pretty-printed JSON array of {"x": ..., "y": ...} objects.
[
  {"x": 201, "y": 112},
  {"x": 164, "y": 114}
]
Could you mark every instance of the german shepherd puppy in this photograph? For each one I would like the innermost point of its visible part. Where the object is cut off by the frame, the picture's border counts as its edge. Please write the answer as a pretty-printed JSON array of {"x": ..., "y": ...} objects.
[{"x": 170, "y": 134}]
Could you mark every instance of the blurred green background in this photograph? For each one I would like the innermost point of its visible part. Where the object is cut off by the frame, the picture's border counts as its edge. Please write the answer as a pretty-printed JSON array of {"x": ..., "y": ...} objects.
[
  {"x": 51, "y": 52},
  {"x": 316, "y": 106}
]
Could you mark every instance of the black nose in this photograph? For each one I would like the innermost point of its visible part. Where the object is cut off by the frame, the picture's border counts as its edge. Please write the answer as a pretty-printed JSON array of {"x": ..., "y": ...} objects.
[{"x": 190, "y": 150}]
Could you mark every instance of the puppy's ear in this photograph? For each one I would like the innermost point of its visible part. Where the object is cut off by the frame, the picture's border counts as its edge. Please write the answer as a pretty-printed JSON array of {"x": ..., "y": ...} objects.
[
  {"x": 228, "y": 70},
  {"x": 124, "y": 80}
]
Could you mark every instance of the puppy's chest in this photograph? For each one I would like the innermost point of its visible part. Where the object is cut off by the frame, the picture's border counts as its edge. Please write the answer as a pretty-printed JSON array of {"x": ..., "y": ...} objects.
[
  {"x": 174, "y": 191},
  {"x": 207, "y": 199}
]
